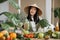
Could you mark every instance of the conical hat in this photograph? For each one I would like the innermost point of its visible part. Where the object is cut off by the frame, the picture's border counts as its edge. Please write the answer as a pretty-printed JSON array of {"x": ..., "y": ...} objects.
[{"x": 34, "y": 5}]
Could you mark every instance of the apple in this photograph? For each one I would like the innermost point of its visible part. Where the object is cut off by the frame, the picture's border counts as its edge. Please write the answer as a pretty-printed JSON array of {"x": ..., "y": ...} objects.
[
  {"x": 25, "y": 31},
  {"x": 54, "y": 35},
  {"x": 40, "y": 35}
]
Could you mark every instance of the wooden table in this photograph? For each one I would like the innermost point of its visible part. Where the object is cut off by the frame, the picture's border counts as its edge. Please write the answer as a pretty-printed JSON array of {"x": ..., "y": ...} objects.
[
  {"x": 40, "y": 39},
  {"x": 44, "y": 39}
]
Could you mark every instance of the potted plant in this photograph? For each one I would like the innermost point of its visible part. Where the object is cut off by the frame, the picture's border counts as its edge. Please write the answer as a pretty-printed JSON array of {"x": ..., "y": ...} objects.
[
  {"x": 13, "y": 19},
  {"x": 57, "y": 14}
]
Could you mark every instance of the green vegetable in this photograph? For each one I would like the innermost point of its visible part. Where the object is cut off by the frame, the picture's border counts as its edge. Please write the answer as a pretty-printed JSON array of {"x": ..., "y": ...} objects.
[
  {"x": 27, "y": 39},
  {"x": 56, "y": 35},
  {"x": 43, "y": 23},
  {"x": 19, "y": 36},
  {"x": 36, "y": 35}
]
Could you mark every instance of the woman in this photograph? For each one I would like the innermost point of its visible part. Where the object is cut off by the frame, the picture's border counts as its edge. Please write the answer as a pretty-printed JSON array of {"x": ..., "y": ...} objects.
[{"x": 33, "y": 17}]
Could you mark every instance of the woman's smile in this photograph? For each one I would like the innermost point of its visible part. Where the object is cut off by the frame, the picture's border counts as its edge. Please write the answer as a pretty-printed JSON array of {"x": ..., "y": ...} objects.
[{"x": 33, "y": 11}]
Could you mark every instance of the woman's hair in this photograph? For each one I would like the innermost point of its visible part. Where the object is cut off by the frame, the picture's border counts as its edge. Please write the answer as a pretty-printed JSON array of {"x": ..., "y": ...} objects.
[{"x": 36, "y": 17}]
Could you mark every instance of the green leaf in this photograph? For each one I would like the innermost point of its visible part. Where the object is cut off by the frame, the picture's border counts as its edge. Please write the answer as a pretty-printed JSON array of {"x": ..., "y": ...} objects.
[
  {"x": 17, "y": 16},
  {"x": 8, "y": 14},
  {"x": 14, "y": 4},
  {"x": 15, "y": 21},
  {"x": 57, "y": 12},
  {"x": 43, "y": 23},
  {"x": 13, "y": 18},
  {"x": 5, "y": 26},
  {"x": 10, "y": 24}
]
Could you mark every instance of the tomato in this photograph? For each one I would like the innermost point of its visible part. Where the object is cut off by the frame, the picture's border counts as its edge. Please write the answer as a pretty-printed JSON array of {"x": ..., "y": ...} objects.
[
  {"x": 29, "y": 35},
  {"x": 9, "y": 38}
]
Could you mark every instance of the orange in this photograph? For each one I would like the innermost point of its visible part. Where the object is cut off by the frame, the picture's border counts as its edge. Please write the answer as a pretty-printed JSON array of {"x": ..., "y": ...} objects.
[
  {"x": 2, "y": 38},
  {"x": 13, "y": 35},
  {"x": 1, "y": 35}
]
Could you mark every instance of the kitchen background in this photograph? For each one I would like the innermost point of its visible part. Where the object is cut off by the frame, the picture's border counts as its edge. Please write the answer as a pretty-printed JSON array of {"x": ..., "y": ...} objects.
[{"x": 5, "y": 6}]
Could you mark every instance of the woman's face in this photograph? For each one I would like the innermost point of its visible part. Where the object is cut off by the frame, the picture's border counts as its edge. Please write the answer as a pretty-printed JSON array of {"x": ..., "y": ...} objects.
[{"x": 33, "y": 11}]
